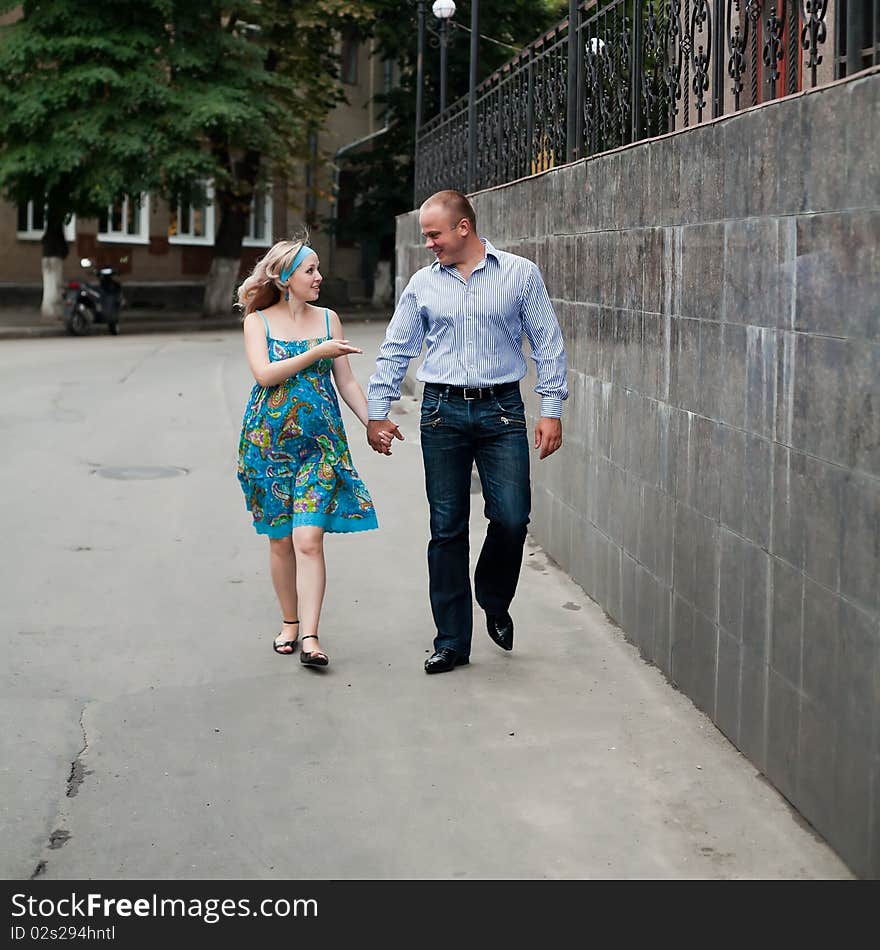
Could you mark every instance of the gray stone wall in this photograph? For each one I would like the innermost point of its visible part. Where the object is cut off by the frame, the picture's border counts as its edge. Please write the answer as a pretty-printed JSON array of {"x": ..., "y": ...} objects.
[{"x": 718, "y": 492}]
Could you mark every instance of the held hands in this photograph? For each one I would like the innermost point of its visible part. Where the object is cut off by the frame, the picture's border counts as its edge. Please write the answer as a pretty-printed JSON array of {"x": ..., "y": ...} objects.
[
  {"x": 331, "y": 349},
  {"x": 380, "y": 433},
  {"x": 548, "y": 436}
]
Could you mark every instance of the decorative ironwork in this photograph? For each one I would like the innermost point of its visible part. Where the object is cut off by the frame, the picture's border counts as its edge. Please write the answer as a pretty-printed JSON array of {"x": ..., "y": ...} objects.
[
  {"x": 737, "y": 39},
  {"x": 701, "y": 21},
  {"x": 638, "y": 63},
  {"x": 813, "y": 33},
  {"x": 773, "y": 48}
]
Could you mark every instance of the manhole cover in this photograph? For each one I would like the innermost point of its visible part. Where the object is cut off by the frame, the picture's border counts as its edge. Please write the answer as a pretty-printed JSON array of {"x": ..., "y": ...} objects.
[{"x": 133, "y": 472}]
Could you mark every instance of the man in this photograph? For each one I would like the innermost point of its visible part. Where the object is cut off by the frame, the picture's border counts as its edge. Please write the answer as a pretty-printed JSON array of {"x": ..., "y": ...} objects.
[{"x": 471, "y": 307}]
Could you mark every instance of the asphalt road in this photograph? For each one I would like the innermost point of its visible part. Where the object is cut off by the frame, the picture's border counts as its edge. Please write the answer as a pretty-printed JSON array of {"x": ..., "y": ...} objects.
[{"x": 151, "y": 733}]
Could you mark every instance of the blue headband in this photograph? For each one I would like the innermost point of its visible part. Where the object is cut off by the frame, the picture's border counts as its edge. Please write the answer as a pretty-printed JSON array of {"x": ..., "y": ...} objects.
[{"x": 301, "y": 255}]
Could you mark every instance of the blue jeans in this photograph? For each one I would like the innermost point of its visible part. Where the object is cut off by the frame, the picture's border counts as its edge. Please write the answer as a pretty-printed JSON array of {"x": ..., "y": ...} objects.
[{"x": 455, "y": 433}]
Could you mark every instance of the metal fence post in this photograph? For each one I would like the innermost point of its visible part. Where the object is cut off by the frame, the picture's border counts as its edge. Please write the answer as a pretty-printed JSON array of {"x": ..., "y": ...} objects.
[
  {"x": 530, "y": 113},
  {"x": 571, "y": 111},
  {"x": 472, "y": 96},
  {"x": 719, "y": 47},
  {"x": 636, "y": 71}
]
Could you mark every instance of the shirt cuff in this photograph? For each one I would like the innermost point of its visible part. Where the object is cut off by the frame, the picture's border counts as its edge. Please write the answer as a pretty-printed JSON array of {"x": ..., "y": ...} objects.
[
  {"x": 379, "y": 408},
  {"x": 551, "y": 407}
]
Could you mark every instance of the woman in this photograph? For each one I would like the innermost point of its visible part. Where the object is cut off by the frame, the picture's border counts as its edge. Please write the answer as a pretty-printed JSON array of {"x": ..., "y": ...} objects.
[{"x": 294, "y": 464}]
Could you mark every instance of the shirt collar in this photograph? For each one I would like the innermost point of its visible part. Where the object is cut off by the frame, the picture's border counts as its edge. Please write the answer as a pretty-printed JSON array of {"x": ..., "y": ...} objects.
[{"x": 490, "y": 252}]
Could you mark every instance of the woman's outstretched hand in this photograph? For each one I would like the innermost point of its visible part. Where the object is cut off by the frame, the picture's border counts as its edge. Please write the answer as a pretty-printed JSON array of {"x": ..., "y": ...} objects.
[{"x": 331, "y": 349}]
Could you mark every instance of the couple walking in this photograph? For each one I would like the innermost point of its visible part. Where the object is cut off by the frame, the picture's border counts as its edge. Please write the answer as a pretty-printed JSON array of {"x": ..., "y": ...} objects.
[{"x": 470, "y": 308}]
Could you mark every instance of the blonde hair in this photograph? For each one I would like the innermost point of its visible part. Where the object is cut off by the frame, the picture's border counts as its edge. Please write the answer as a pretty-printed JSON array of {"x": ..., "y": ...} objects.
[{"x": 263, "y": 287}]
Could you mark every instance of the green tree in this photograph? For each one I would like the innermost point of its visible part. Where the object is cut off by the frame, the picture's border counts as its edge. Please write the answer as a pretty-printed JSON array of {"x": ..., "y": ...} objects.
[
  {"x": 249, "y": 82},
  {"x": 382, "y": 174},
  {"x": 82, "y": 95}
]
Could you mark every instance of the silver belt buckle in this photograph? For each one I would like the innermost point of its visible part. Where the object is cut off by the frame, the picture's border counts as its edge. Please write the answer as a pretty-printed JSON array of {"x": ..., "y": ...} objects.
[{"x": 466, "y": 397}]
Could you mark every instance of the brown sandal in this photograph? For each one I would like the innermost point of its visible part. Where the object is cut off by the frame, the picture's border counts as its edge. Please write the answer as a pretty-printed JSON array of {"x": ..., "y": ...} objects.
[
  {"x": 316, "y": 657},
  {"x": 278, "y": 645}
]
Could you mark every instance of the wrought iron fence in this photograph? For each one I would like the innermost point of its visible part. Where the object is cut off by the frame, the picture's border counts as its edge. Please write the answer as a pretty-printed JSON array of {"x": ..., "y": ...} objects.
[{"x": 626, "y": 70}]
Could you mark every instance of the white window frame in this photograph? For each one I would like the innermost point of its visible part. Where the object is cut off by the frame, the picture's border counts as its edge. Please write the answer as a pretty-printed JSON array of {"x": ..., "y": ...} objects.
[
  {"x": 35, "y": 234},
  {"x": 208, "y": 236},
  {"x": 251, "y": 241},
  {"x": 123, "y": 237}
]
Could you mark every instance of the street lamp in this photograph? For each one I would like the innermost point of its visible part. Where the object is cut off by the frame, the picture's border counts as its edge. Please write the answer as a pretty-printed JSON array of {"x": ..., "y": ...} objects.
[{"x": 443, "y": 10}]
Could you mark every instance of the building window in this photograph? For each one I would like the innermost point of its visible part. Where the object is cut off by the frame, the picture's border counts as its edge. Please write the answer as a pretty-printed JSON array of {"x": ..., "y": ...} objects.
[
  {"x": 193, "y": 223},
  {"x": 348, "y": 60},
  {"x": 32, "y": 223},
  {"x": 259, "y": 230},
  {"x": 126, "y": 220}
]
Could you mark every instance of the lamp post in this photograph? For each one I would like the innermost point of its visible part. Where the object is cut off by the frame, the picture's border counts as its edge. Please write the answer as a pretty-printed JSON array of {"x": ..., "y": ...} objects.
[{"x": 443, "y": 10}]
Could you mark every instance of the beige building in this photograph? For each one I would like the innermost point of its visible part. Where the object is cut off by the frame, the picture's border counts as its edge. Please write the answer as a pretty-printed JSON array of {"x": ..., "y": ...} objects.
[{"x": 160, "y": 245}]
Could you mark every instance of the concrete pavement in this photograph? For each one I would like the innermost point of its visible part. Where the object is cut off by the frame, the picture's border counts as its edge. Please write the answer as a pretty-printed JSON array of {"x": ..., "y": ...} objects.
[{"x": 151, "y": 733}]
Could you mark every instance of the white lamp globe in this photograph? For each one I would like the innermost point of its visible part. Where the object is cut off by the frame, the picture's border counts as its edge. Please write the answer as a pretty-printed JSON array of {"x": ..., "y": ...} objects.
[{"x": 443, "y": 9}]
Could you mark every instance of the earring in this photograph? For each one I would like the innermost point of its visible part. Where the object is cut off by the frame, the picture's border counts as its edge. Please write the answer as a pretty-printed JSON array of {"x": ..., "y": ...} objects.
[{"x": 287, "y": 295}]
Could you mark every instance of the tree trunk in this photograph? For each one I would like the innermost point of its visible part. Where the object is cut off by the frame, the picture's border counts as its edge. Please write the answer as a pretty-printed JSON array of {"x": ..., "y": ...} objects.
[
  {"x": 220, "y": 287},
  {"x": 55, "y": 249},
  {"x": 234, "y": 204}
]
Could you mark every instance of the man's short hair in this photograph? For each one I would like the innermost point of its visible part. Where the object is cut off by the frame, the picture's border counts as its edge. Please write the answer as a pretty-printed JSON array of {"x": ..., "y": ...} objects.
[{"x": 456, "y": 204}]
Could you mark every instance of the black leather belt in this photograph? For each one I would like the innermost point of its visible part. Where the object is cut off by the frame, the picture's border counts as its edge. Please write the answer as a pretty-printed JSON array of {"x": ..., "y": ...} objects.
[{"x": 469, "y": 393}]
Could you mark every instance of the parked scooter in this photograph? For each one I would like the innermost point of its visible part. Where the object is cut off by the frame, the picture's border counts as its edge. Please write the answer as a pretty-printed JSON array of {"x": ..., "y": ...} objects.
[{"x": 87, "y": 303}]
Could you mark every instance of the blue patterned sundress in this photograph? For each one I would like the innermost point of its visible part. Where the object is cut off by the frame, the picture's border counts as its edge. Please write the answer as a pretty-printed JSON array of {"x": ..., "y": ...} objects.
[{"x": 294, "y": 465}]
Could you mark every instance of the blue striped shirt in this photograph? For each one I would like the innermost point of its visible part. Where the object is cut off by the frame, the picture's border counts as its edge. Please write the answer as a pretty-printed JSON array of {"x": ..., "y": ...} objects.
[{"x": 473, "y": 331}]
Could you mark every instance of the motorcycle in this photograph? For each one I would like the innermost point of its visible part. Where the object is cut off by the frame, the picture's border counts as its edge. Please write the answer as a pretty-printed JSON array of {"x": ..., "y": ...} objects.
[{"x": 87, "y": 303}]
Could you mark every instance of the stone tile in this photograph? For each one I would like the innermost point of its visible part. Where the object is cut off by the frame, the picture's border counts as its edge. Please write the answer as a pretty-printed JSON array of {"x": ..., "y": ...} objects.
[
  {"x": 860, "y": 540},
  {"x": 702, "y": 271},
  {"x": 601, "y": 568},
  {"x": 706, "y": 567},
  {"x": 704, "y": 467},
  {"x": 684, "y": 542},
  {"x": 786, "y": 634},
  {"x": 682, "y": 645},
  {"x": 815, "y": 765},
  {"x": 668, "y": 425},
  {"x": 730, "y": 584},
  {"x": 859, "y": 669},
  {"x": 580, "y": 350},
  {"x": 710, "y": 386},
  {"x": 662, "y": 630},
  {"x": 619, "y": 406},
  {"x": 646, "y": 608},
  {"x": 705, "y": 661},
  {"x": 613, "y": 579},
  {"x": 838, "y": 274},
  {"x": 727, "y": 687},
  {"x": 731, "y": 382},
  {"x": 789, "y": 470},
  {"x": 862, "y": 165},
  {"x": 758, "y": 272},
  {"x": 757, "y": 588},
  {"x": 684, "y": 363},
  {"x": 632, "y": 504},
  {"x": 628, "y": 597},
  {"x": 606, "y": 344},
  {"x": 850, "y": 829},
  {"x": 752, "y": 706},
  {"x": 823, "y": 487},
  {"x": 783, "y": 728},
  {"x": 751, "y": 144},
  {"x": 820, "y": 645},
  {"x": 653, "y": 355},
  {"x": 653, "y": 277},
  {"x": 824, "y": 123},
  {"x": 761, "y": 381}
]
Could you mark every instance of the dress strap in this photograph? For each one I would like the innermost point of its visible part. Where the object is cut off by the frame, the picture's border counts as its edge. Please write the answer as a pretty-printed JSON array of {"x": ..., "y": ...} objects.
[
  {"x": 265, "y": 323},
  {"x": 327, "y": 320}
]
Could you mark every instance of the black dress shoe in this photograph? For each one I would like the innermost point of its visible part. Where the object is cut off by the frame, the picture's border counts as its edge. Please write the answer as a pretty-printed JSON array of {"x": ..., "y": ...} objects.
[
  {"x": 500, "y": 627},
  {"x": 444, "y": 660}
]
